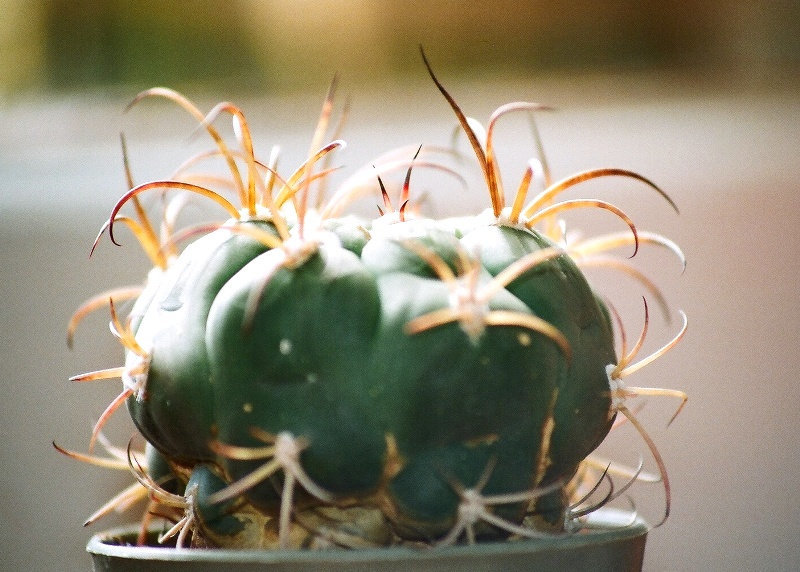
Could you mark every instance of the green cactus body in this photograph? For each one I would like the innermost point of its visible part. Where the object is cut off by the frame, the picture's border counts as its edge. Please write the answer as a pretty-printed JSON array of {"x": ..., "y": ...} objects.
[
  {"x": 454, "y": 405},
  {"x": 217, "y": 520},
  {"x": 326, "y": 357},
  {"x": 176, "y": 411},
  {"x": 557, "y": 291},
  {"x": 296, "y": 366},
  {"x": 384, "y": 381}
]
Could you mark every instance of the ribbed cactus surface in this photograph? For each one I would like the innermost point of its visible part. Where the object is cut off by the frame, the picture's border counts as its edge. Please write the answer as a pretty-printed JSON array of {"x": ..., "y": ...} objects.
[{"x": 305, "y": 378}]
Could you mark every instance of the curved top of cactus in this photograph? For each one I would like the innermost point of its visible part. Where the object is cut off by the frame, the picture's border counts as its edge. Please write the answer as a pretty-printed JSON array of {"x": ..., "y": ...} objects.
[{"x": 306, "y": 377}]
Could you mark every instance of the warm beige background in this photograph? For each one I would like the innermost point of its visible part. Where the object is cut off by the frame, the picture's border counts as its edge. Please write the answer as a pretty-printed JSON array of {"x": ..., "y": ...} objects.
[{"x": 722, "y": 139}]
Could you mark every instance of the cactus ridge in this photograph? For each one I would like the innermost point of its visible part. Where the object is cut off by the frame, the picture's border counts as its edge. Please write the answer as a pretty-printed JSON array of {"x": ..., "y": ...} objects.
[{"x": 308, "y": 378}]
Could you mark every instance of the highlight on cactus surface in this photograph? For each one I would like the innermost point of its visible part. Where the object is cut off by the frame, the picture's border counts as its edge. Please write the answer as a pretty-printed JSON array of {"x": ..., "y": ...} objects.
[{"x": 304, "y": 377}]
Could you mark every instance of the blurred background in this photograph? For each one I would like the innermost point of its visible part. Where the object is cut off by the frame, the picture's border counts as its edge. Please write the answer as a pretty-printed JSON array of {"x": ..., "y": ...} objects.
[{"x": 701, "y": 97}]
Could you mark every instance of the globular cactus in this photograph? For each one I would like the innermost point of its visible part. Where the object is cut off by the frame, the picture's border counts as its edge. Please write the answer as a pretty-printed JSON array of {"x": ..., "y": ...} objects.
[{"x": 307, "y": 378}]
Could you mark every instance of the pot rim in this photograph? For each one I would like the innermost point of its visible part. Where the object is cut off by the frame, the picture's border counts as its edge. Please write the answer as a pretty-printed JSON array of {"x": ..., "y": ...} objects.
[{"x": 606, "y": 526}]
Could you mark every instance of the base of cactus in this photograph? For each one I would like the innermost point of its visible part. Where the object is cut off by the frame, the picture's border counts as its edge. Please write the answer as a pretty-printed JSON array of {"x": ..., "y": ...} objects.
[{"x": 611, "y": 544}]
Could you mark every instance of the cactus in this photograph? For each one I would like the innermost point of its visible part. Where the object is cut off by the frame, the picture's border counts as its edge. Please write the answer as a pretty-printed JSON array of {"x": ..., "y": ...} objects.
[{"x": 308, "y": 378}]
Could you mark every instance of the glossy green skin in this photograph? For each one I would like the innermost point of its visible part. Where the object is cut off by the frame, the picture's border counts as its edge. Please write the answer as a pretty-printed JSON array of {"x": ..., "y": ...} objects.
[
  {"x": 298, "y": 368},
  {"x": 558, "y": 292},
  {"x": 176, "y": 414},
  {"x": 326, "y": 356},
  {"x": 216, "y": 520},
  {"x": 454, "y": 406}
]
